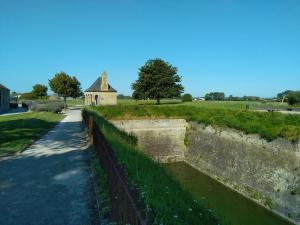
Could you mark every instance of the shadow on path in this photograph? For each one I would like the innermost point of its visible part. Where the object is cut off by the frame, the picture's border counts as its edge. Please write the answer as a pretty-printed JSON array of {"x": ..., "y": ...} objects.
[{"x": 50, "y": 183}]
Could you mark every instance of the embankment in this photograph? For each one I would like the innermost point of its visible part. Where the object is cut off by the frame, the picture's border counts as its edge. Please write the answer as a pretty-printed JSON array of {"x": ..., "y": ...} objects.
[{"x": 268, "y": 172}]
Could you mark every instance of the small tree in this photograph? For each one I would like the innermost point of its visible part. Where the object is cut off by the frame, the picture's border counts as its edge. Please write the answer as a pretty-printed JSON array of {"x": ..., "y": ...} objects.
[
  {"x": 293, "y": 97},
  {"x": 187, "y": 98},
  {"x": 65, "y": 86},
  {"x": 40, "y": 90},
  {"x": 157, "y": 79}
]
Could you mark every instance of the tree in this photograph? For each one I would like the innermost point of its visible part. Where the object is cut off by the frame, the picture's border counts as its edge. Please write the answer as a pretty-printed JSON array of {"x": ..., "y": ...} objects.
[
  {"x": 157, "y": 79},
  {"x": 293, "y": 97},
  {"x": 282, "y": 96},
  {"x": 40, "y": 90},
  {"x": 215, "y": 96},
  {"x": 187, "y": 98},
  {"x": 65, "y": 86},
  {"x": 76, "y": 89}
]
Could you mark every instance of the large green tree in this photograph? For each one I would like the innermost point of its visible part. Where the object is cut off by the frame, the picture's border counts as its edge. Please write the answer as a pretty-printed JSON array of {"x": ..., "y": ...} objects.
[
  {"x": 65, "y": 86},
  {"x": 40, "y": 90},
  {"x": 157, "y": 79}
]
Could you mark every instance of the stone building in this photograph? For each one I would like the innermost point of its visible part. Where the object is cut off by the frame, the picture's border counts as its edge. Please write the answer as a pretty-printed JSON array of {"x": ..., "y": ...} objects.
[
  {"x": 101, "y": 93},
  {"x": 4, "y": 98}
]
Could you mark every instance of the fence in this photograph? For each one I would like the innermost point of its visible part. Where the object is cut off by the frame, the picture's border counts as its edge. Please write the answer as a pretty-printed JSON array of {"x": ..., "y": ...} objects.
[{"x": 126, "y": 206}]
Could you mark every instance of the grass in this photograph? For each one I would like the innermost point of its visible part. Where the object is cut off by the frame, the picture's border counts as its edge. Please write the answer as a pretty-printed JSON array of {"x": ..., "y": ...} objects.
[
  {"x": 269, "y": 125},
  {"x": 102, "y": 190},
  {"x": 213, "y": 104},
  {"x": 74, "y": 102},
  {"x": 161, "y": 194},
  {"x": 18, "y": 131}
]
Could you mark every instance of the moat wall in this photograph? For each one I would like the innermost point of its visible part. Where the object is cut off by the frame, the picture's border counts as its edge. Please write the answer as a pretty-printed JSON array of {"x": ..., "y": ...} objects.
[
  {"x": 161, "y": 139},
  {"x": 268, "y": 172}
]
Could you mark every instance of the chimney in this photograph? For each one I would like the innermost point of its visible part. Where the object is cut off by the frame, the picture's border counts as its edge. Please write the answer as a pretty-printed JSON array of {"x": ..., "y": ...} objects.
[{"x": 104, "y": 83}]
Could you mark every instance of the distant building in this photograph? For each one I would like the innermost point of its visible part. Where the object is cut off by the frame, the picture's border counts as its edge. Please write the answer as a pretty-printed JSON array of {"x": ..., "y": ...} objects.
[
  {"x": 4, "y": 98},
  {"x": 101, "y": 93},
  {"x": 54, "y": 97}
]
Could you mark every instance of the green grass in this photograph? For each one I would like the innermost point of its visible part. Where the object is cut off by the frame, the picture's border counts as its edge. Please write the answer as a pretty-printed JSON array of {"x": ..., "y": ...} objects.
[
  {"x": 102, "y": 191},
  {"x": 213, "y": 104},
  {"x": 74, "y": 102},
  {"x": 161, "y": 194},
  {"x": 18, "y": 131},
  {"x": 269, "y": 125}
]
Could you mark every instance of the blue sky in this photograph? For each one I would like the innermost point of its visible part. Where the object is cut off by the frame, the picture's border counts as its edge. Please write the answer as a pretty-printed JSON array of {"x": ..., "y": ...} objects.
[{"x": 240, "y": 47}]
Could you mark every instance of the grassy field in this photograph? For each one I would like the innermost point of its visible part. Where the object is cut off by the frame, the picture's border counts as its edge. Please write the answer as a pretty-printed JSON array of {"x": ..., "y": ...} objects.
[
  {"x": 161, "y": 194},
  {"x": 18, "y": 131},
  {"x": 253, "y": 105},
  {"x": 268, "y": 125}
]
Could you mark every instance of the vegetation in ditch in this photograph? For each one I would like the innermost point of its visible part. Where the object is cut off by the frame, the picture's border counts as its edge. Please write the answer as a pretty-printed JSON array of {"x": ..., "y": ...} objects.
[
  {"x": 268, "y": 125},
  {"x": 102, "y": 189},
  {"x": 161, "y": 194}
]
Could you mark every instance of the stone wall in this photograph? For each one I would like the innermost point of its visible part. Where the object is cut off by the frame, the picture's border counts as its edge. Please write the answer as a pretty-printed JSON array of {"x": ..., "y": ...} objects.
[
  {"x": 161, "y": 139},
  {"x": 108, "y": 98},
  {"x": 268, "y": 172},
  {"x": 101, "y": 98}
]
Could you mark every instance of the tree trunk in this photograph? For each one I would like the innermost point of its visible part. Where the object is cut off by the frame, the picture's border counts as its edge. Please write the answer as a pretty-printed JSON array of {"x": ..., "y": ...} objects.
[
  {"x": 65, "y": 103},
  {"x": 158, "y": 101}
]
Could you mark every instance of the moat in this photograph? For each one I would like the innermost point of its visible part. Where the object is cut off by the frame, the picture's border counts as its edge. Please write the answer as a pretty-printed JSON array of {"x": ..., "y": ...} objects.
[{"x": 230, "y": 207}]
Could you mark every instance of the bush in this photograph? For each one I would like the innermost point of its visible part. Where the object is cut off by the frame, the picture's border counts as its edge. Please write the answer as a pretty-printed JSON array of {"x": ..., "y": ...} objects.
[
  {"x": 293, "y": 97},
  {"x": 187, "y": 98},
  {"x": 47, "y": 107},
  {"x": 13, "y": 105}
]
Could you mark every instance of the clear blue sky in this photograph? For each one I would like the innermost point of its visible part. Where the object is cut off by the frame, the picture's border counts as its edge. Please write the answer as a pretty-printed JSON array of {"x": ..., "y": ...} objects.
[{"x": 241, "y": 47}]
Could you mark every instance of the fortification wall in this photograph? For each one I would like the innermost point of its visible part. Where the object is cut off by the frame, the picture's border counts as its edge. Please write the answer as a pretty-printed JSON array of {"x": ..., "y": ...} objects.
[
  {"x": 161, "y": 139},
  {"x": 268, "y": 172}
]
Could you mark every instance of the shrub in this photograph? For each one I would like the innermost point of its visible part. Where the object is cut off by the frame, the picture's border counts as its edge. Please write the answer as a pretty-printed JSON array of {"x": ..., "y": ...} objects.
[
  {"x": 47, "y": 107},
  {"x": 187, "y": 98}
]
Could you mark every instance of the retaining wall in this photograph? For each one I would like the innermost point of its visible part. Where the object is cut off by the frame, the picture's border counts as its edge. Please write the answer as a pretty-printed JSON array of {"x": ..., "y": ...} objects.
[{"x": 268, "y": 172}]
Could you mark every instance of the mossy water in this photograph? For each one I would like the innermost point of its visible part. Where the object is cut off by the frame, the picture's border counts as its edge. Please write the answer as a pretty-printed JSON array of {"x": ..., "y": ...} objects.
[{"x": 230, "y": 207}]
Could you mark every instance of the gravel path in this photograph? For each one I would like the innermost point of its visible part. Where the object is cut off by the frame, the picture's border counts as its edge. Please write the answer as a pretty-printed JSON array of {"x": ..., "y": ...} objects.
[{"x": 50, "y": 182}]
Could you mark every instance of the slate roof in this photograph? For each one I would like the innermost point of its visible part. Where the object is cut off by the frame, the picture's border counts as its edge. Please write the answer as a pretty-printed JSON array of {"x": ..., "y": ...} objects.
[
  {"x": 96, "y": 87},
  {"x": 3, "y": 87}
]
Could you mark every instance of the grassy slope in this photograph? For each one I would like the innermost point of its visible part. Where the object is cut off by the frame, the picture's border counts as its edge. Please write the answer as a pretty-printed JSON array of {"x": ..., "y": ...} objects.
[
  {"x": 18, "y": 131},
  {"x": 160, "y": 193},
  {"x": 267, "y": 125}
]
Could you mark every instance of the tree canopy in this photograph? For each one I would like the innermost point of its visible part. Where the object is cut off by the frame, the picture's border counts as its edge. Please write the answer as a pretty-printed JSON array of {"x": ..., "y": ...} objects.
[
  {"x": 187, "y": 98},
  {"x": 66, "y": 86},
  {"x": 215, "y": 96},
  {"x": 157, "y": 79},
  {"x": 39, "y": 90}
]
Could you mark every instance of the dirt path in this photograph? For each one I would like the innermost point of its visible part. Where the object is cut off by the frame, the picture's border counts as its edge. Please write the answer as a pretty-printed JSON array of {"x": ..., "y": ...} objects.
[{"x": 49, "y": 183}]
